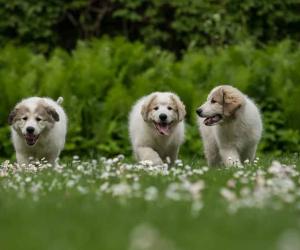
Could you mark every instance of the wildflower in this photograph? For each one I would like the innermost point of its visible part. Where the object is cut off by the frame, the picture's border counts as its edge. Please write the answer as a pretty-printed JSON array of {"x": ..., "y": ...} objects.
[
  {"x": 151, "y": 193},
  {"x": 228, "y": 194}
]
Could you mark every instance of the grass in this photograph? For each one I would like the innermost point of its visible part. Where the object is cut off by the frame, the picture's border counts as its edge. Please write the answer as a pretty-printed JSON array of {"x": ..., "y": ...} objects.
[{"x": 83, "y": 206}]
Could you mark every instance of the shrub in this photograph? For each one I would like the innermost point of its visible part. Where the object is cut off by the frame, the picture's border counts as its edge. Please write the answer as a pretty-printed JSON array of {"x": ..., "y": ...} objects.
[
  {"x": 101, "y": 79},
  {"x": 174, "y": 25}
]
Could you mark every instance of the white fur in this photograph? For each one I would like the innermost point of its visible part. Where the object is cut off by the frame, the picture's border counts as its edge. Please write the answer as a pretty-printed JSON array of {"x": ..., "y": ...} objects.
[
  {"x": 146, "y": 141},
  {"x": 50, "y": 142},
  {"x": 231, "y": 141}
]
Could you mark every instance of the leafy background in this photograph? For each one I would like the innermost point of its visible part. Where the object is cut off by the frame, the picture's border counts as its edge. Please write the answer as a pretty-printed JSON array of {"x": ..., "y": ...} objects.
[{"x": 103, "y": 55}]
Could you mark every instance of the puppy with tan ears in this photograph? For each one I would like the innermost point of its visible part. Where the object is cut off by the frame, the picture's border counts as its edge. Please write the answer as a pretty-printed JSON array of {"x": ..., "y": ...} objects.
[
  {"x": 156, "y": 127},
  {"x": 230, "y": 125},
  {"x": 38, "y": 129}
]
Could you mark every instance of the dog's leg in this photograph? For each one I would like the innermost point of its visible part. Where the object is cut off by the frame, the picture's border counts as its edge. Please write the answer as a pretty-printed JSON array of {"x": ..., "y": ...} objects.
[
  {"x": 230, "y": 157},
  {"x": 52, "y": 158},
  {"x": 213, "y": 157},
  {"x": 212, "y": 154},
  {"x": 249, "y": 153},
  {"x": 22, "y": 159},
  {"x": 173, "y": 153},
  {"x": 147, "y": 153}
]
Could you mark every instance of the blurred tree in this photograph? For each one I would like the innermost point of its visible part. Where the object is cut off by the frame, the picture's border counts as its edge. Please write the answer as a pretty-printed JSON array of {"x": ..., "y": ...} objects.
[{"x": 174, "y": 25}]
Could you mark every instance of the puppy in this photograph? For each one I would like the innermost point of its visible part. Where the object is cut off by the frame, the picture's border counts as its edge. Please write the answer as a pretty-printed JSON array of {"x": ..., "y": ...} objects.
[
  {"x": 230, "y": 125},
  {"x": 38, "y": 129},
  {"x": 156, "y": 127}
]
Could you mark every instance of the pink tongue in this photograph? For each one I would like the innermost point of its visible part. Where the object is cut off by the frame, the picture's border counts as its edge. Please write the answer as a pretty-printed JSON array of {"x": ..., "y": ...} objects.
[
  {"x": 31, "y": 137},
  {"x": 163, "y": 129}
]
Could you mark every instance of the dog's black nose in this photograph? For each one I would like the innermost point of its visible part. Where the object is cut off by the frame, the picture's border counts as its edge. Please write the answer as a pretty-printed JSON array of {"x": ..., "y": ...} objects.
[
  {"x": 30, "y": 130},
  {"x": 163, "y": 117},
  {"x": 199, "y": 112}
]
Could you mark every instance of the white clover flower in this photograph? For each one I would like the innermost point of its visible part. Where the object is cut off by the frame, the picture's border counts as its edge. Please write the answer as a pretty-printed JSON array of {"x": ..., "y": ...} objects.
[
  {"x": 172, "y": 192},
  {"x": 275, "y": 168},
  {"x": 82, "y": 190},
  {"x": 205, "y": 169},
  {"x": 104, "y": 187},
  {"x": 28, "y": 179},
  {"x": 109, "y": 162},
  {"x": 196, "y": 188},
  {"x": 115, "y": 160},
  {"x": 178, "y": 161},
  {"x": 121, "y": 157},
  {"x": 76, "y": 157},
  {"x": 151, "y": 193},
  {"x": 80, "y": 168},
  {"x": 105, "y": 175},
  {"x": 36, "y": 187},
  {"x": 70, "y": 183},
  {"x": 245, "y": 192},
  {"x": 197, "y": 206},
  {"x": 121, "y": 189},
  {"x": 231, "y": 183},
  {"x": 228, "y": 194},
  {"x": 247, "y": 161},
  {"x": 146, "y": 163}
]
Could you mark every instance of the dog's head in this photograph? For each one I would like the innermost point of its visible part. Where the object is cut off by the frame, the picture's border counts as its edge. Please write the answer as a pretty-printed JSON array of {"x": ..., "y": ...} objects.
[
  {"x": 31, "y": 120},
  {"x": 163, "y": 110},
  {"x": 222, "y": 102}
]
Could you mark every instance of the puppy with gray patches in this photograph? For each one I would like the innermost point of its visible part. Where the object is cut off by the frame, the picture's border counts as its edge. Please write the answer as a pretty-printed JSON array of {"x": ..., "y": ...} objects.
[
  {"x": 230, "y": 125},
  {"x": 38, "y": 129},
  {"x": 156, "y": 127}
]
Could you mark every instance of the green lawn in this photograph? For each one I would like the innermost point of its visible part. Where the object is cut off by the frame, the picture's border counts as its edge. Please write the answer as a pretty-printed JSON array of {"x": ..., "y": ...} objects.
[{"x": 110, "y": 204}]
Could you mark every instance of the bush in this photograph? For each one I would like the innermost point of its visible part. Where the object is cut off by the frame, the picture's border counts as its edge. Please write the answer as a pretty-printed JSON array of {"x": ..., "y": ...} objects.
[
  {"x": 173, "y": 25},
  {"x": 101, "y": 80}
]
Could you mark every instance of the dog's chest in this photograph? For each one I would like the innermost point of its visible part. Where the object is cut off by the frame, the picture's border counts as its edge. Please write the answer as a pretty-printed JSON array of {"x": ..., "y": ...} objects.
[
  {"x": 163, "y": 143},
  {"x": 234, "y": 133}
]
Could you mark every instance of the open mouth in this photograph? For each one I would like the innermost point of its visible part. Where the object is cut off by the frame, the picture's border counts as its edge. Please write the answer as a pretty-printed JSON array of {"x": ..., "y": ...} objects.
[
  {"x": 162, "y": 127},
  {"x": 212, "y": 120},
  {"x": 31, "y": 139}
]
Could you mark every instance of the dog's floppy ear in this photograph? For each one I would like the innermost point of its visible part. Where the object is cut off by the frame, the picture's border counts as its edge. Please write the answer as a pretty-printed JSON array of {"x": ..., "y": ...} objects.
[
  {"x": 52, "y": 112},
  {"x": 180, "y": 108},
  {"x": 232, "y": 100},
  {"x": 146, "y": 106},
  {"x": 12, "y": 115}
]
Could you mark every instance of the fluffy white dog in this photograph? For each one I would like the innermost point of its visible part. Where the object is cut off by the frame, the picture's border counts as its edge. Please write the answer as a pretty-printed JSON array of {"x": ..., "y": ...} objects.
[
  {"x": 156, "y": 127},
  {"x": 230, "y": 125},
  {"x": 38, "y": 128}
]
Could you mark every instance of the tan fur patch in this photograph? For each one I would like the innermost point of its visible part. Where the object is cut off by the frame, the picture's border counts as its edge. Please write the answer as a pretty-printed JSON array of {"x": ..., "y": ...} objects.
[
  {"x": 148, "y": 106},
  {"x": 233, "y": 100},
  {"x": 17, "y": 113},
  {"x": 217, "y": 96},
  {"x": 46, "y": 112},
  {"x": 180, "y": 108}
]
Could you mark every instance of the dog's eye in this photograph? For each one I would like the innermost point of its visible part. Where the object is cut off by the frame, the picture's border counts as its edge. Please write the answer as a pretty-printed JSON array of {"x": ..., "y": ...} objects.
[
  {"x": 170, "y": 108},
  {"x": 38, "y": 119},
  {"x": 213, "y": 101},
  {"x": 156, "y": 108},
  {"x": 24, "y": 118}
]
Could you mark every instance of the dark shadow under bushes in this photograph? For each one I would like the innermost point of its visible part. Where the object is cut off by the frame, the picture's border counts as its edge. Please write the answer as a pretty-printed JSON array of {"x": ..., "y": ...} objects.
[
  {"x": 173, "y": 25},
  {"x": 101, "y": 80}
]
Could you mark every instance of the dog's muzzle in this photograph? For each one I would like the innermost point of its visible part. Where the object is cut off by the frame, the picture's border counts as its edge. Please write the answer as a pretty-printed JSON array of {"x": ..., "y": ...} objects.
[
  {"x": 212, "y": 120},
  {"x": 30, "y": 137}
]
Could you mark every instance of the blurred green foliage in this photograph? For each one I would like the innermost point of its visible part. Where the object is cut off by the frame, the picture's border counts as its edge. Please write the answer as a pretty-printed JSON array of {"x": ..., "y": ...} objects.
[
  {"x": 101, "y": 79},
  {"x": 173, "y": 25}
]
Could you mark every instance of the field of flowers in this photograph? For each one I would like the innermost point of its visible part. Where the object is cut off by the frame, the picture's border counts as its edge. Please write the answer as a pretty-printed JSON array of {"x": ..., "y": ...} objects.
[{"x": 113, "y": 204}]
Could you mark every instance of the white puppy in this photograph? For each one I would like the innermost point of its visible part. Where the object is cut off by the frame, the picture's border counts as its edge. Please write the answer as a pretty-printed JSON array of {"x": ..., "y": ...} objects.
[
  {"x": 156, "y": 127},
  {"x": 230, "y": 125},
  {"x": 38, "y": 127}
]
